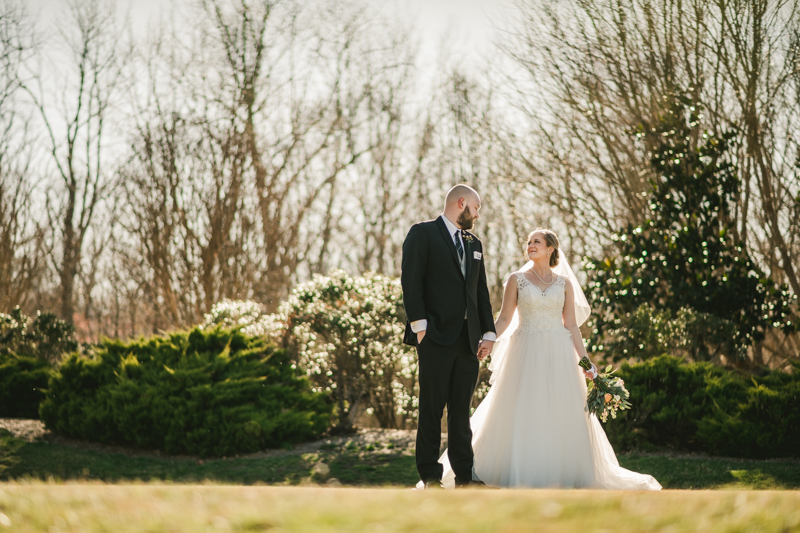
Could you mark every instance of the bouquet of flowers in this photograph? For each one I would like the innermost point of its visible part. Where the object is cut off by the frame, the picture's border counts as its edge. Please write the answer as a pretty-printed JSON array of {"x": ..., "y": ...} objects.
[{"x": 607, "y": 393}]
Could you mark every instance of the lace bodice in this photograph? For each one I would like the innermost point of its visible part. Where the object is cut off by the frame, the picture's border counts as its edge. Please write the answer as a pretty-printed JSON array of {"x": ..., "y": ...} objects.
[{"x": 540, "y": 309}]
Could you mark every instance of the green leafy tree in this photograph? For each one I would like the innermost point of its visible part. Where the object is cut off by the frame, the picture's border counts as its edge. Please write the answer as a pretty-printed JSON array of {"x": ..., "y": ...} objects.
[{"x": 688, "y": 254}]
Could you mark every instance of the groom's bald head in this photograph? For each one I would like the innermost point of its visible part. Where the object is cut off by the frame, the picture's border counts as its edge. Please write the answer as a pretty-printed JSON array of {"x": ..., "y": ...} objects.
[
  {"x": 461, "y": 206},
  {"x": 458, "y": 193}
]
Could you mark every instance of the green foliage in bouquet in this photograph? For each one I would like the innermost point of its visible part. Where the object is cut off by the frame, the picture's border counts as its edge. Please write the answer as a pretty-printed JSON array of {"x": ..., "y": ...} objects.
[
  {"x": 701, "y": 407},
  {"x": 606, "y": 393},
  {"x": 210, "y": 392},
  {"x": 346, "y": 333},
  {"x": 687, "y": 252},
  {"x": 23, "y": 380}
]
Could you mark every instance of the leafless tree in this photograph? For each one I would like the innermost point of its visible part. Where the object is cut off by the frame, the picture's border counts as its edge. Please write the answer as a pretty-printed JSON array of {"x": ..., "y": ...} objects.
[
  {"x": 23, "y": 267},
  {"x": 242, "y": 141},
  {"x": 296, "y": 154},
  {"x": 369, "y": 214},
  {"x": 596, "y": 69},
  {"x": 92, "y": 42},
  {"x": 760, "y": 67},
  {"x": 185, "y": 189}
]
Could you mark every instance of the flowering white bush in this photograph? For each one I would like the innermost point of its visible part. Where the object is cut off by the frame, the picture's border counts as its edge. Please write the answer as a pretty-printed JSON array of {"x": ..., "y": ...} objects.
[
  {"x": 347, "y": 333},
  {"x": 247, "y": 315}
]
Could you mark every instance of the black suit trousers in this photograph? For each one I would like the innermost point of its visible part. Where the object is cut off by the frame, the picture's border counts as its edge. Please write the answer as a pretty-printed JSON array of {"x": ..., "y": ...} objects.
[{"x": 448, "y": 376}]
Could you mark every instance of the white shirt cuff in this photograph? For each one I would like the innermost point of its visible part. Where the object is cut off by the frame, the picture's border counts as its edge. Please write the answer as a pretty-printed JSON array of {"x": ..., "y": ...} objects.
[
  {"x": 419, "y": 325},
  {"x": 422, "y": 325}
]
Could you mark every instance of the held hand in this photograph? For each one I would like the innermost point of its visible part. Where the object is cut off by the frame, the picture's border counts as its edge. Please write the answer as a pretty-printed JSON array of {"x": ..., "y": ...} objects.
[
  {"x": 591, "y": 373},
  {"x": 420, "y": 336},
  {"x": 481, "y": 353},
  {"x": 484, "y": 349}
]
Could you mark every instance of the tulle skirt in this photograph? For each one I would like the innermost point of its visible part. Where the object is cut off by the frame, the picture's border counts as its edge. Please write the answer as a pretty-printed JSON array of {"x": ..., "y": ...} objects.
[{"x": 533, "y": 429}]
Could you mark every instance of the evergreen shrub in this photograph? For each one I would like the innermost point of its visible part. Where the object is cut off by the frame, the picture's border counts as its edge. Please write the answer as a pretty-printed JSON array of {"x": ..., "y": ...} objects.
[
  {"x": 208, "y": 392},
  {"x": 701, "y": 407},
  {"x": 23, "y": 380}
]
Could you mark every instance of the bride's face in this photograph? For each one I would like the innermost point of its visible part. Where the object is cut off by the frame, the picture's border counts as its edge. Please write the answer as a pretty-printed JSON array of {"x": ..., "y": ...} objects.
[{"x": 537, "y": 249}]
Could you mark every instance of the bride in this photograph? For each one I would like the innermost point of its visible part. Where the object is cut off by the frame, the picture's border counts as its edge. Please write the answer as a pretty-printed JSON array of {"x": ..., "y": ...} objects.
[{"x": 533, "y": 428}]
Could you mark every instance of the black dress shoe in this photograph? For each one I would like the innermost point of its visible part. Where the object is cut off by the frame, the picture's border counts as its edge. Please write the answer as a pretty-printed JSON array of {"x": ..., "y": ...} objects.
[
  {"x": 471, "y": 484},
  {"x": 434, "y": 484}
]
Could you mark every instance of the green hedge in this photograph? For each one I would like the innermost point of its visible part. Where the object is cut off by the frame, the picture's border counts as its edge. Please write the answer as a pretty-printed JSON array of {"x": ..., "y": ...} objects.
[
  {"x": 22, "y": 383},
  {"x": 206, "y": 392},
  {"x": 705, "y": 408}
]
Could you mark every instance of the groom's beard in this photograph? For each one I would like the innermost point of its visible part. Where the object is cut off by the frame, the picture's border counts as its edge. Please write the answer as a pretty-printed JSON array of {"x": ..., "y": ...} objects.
[{"x": 466, "y": 220}]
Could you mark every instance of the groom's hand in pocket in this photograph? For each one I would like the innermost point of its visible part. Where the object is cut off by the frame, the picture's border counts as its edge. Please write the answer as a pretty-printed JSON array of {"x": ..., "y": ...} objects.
[{"x": 420, "y": 336}]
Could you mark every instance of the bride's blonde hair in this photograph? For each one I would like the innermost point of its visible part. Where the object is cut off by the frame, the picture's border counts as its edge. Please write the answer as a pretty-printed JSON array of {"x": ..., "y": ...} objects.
[{"x": 550, "y": 239}]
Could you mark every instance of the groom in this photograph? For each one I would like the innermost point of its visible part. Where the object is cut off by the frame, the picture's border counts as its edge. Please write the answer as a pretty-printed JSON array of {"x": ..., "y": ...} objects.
[{"x": 447, "y": 303}]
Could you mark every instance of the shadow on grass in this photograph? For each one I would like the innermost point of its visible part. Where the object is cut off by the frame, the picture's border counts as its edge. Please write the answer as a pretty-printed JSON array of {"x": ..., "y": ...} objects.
[
  {"x": 714, "y": 473},
  {"x": 365, "y": 469},
  {"x": 41, "y": 460},
  {"x": 9, "y": 451},
  {"x": 351, "y": 466}
]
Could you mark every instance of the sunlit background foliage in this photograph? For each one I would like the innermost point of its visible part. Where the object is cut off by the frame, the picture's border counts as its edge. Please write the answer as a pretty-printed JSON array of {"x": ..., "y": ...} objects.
[{"x": 252, "y": 168}]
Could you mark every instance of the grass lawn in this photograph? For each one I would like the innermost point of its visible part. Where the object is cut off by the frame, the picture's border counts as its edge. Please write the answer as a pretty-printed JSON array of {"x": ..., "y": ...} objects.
[
  {"x": 92, "y": 506},
  {"x": 351, "y": 466}
]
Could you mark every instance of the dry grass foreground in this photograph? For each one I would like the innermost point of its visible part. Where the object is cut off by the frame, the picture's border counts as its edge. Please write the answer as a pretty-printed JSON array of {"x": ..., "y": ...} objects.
[{"x": 97, "y": 507}]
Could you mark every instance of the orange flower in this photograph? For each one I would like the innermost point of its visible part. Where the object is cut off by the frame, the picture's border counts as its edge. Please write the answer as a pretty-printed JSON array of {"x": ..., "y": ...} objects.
[{"x": 608, "y": 397}]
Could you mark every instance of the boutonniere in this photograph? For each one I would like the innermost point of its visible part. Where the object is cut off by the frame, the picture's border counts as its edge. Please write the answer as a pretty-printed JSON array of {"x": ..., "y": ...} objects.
[{"x": 468, "y": 238}]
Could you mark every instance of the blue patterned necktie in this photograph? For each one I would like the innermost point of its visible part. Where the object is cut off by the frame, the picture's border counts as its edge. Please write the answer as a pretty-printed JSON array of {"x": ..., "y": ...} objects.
[{"x": 459, "y": 248}]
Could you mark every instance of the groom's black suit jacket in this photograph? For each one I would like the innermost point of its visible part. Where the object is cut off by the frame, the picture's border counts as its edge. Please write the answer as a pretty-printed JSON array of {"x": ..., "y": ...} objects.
[{"x": 435, "y": 289}]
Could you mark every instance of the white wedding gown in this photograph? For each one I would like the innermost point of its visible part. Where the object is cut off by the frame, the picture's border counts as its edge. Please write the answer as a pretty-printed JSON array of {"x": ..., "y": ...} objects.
[{"x": 532, "y": 429}]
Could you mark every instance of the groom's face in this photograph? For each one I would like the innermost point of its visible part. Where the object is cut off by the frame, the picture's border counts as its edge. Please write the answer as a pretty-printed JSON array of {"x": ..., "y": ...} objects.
[{"x": 469, "y": 215}]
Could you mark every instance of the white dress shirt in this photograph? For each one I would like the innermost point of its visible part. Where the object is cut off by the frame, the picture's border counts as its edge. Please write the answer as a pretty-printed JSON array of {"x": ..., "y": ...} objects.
[{"x": 455, "y": 233}]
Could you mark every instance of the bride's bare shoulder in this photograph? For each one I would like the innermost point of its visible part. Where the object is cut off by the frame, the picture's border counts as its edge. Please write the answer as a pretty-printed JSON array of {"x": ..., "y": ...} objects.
[{"x": 517, "y": 276}]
